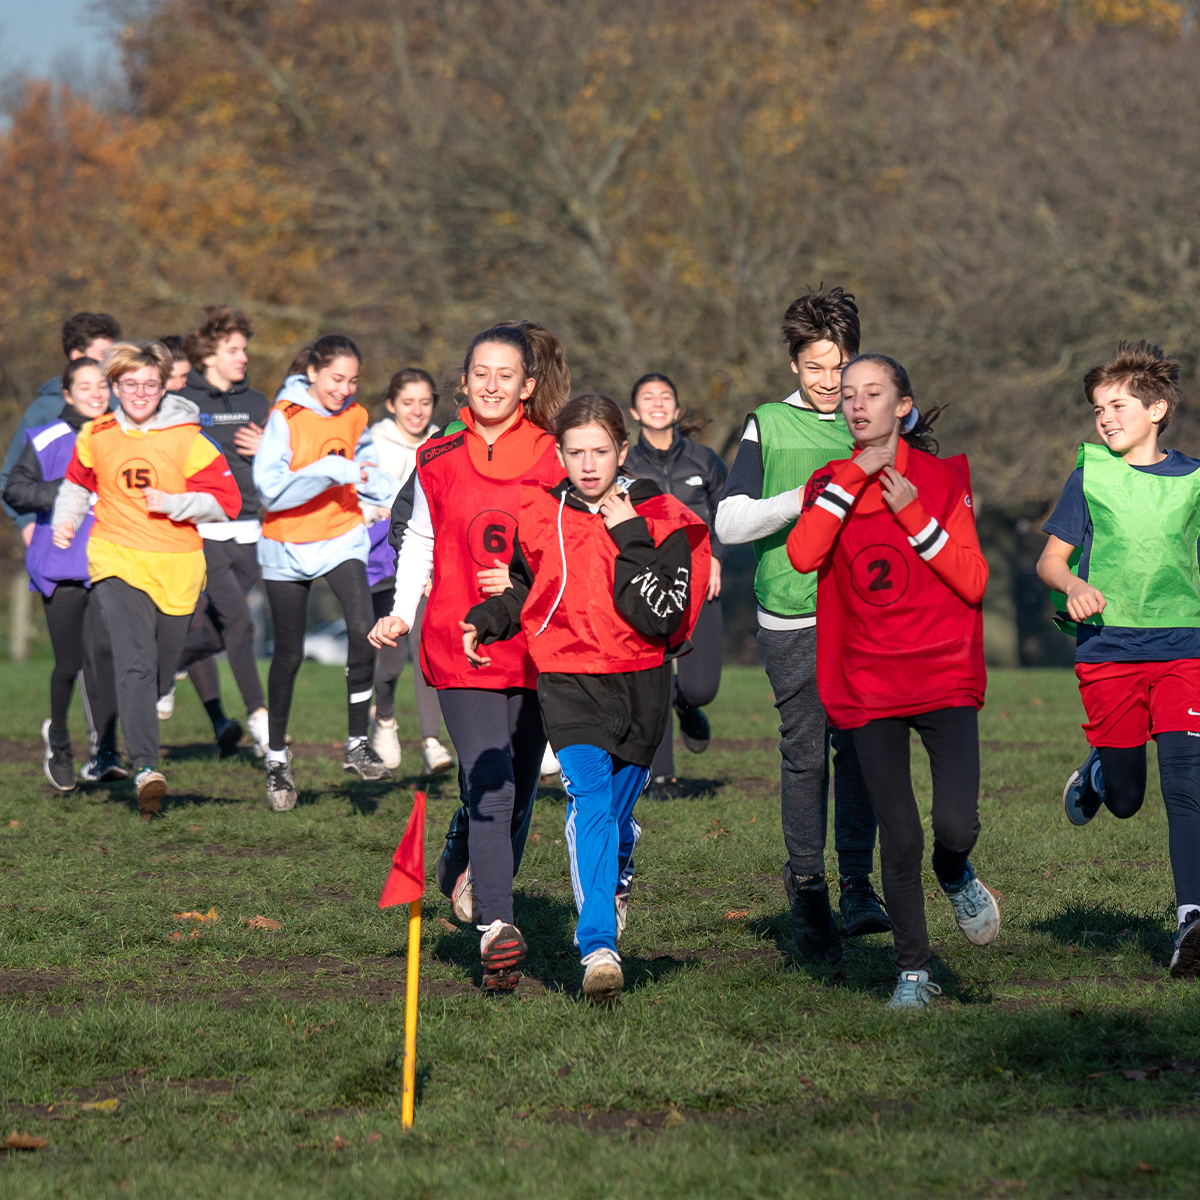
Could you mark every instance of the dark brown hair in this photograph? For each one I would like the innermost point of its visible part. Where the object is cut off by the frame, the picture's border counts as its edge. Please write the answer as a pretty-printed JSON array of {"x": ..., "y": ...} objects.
[
  {"x": 542, "y": 356},
  {"x": 690, "y": 423},
  {"x": 73, "y": 368},
  {"x": 323, "y": 351},
  {"x": 822, "y": 316},
  {"x": 81, "y": 330},
  {"x": 592, "y": 408},
  {"x": 408, "y": 375},
  {"x": 174, "y": 343},
  {"x": 219, "y": 323},
  {"x": 919, "y": 436},
  {"x": 1145, "y": 370}
]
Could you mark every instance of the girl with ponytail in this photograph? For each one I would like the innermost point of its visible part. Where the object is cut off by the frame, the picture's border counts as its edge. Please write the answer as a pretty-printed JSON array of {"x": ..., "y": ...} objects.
[{"x": 460, "y": 508}]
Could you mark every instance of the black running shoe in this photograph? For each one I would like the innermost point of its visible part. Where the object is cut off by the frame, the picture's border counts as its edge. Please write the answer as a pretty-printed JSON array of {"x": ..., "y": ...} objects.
[
  {"x": 229, "y": 733},
  {"x": 693, "y": 728},
  {"x": 501, "y": 951},
  {"x": 1185, "y": 960},
  {"x": 862, "y": 910},
  {"x": 455, "y": 856},
  {"x": 663, "y": 787},
  {"x": 1080, "y": 798},
  {"x": 813, "y": 926},
  {"x": 365, "y": 763},
  {"x": 103, "y": 767},
  {"x": 58, "y": 761}
]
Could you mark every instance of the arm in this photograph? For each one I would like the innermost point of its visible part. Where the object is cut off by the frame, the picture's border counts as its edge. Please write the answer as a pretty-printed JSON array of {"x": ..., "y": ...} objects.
[
  {"x": 26, "y": 491},
  {"x": 282, "y": 488},
  {"x": 952, "y": 550},
  {"x": 651, "y": 584},
  {"x": 715, "y": 479},
  {"x": 28, "y": 421},
  {"x": 378, "y": 487},
  {"x": 743, "y": 515},
  {"x": 1054, "y": 570},
  {"x": 211, "y": 496},
  {"x": 828, "y": 498},
  {"x": 75, "y": 495},
  {"x": 402, "y": 510},
  {"x": 499, "y": 617},
  {"x": 414, "y": 559}
]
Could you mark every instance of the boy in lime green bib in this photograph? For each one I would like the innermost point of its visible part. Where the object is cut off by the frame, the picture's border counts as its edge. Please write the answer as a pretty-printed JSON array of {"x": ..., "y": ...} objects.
[{"x": 1122, "y": 558}]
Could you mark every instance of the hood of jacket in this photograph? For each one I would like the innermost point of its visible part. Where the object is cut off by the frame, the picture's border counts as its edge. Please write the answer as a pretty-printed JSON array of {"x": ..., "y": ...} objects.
[
  {"x": 388, "y": 430},
  {"x": 174, "y": 410},
  {"x": 197, "y": 382},
  {"x": 295, "y": 391}
]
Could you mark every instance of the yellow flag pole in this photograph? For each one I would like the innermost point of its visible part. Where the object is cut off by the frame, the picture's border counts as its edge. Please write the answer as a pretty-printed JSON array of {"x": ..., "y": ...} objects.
[{"x": 410, "y": 1012}]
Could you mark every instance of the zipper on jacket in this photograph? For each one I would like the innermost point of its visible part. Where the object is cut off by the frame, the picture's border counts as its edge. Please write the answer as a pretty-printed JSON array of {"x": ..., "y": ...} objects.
[{"x": 491, "y": 446}]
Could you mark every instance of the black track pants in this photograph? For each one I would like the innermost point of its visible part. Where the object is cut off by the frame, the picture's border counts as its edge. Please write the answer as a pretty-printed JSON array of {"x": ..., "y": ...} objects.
[
  {"x": 951, "y": 739},
  {"x": 289, "y": 612},
  {"x": 697, "y": 678},
  {"x": 499, "y": 740}
]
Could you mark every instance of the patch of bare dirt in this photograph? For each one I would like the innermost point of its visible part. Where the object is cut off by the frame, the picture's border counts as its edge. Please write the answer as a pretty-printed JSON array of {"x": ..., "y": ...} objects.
[{"x": 619, "y": 1120}]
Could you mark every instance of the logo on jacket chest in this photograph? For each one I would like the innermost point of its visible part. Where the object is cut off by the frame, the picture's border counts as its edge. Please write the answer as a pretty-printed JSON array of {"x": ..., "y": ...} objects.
[
  {"x": 490, "y": 536},
  {"x": 879, "y": 575}
]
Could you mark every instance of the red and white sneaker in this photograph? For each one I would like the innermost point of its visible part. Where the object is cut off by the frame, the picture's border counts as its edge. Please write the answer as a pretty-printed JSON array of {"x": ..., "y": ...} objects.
[{"x": 501, "y": 951}]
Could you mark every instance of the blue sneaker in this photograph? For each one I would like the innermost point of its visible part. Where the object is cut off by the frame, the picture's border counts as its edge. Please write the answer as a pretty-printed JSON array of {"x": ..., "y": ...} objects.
[
  {"x": 975, "y": 910},
  {"x": 1084, "y": 793},
  {"x": 1185, "y": 961},
  {"x": 914, "y": 991}
]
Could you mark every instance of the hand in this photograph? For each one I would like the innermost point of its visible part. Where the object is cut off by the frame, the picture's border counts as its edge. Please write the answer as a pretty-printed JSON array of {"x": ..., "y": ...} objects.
[
  {"x": 362, "y": 474},
  {"x": 470, "y": 641},
  {"x": 495, "y": 579},
  {"x": 27, "y": 533},
  {"x": 897, "y": 491},
  {"x": 616, "y": 508},
  {"x": 714, "y": 581},
  {"x": 156, "y": 500},
  {"x": 63, "y": 535},
  {"x": 387, "y": 632},
  {"x": 1084, "y": 601},
  {"x": 248, "y": 439},
  {"x": 428, "y": 587},
  {"x": 874, "y": 458}
]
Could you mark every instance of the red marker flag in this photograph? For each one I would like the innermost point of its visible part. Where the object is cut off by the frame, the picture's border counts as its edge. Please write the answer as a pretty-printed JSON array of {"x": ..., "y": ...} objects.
[{"x": 406, "y": 880}]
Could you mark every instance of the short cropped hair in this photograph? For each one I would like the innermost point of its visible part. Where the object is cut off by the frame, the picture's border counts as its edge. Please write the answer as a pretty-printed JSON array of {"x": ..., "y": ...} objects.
[
  {"x": 125, "y": 357},
  {"x": 822, "y": 316},
  {"x": 81, "y": 330},
  {"x": 219, "y": 323},
  {"x": 174, "y": 343},
  {"x": 1145, "y": 370}
]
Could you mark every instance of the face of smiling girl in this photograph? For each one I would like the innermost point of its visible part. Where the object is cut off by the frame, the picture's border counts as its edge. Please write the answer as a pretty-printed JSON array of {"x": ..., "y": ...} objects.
[
  {"x": 333, "y": 385},
  {"x": 89, "y": 393},
  {"x": 591, "y": 461}
]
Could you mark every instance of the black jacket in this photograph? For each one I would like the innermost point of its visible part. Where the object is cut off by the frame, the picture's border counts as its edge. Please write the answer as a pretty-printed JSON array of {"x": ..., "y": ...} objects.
[
  {"x": 222, "y": 414},
  {"x": 624, "y": 713},
  {"x": 26, "y": 490},
  {"x": 687, "y": 470}
]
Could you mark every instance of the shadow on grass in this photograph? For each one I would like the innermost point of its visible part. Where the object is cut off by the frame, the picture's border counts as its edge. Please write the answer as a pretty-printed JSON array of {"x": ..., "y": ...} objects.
[
  {"x": 1103, "y": 927},
  {"x": 207, "y": 752}
]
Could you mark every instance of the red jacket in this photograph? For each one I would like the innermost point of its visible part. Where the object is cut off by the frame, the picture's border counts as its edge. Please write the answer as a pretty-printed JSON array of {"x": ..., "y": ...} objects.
[
  {"x": 473, "y": 492},
  {"x": 899, "y": 612}
]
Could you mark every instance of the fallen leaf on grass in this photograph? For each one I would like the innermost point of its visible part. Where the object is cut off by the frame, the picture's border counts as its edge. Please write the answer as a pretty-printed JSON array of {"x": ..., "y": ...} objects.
[
  {"x": 25, "y": 1141},
  {"x": 102, "y": 1106},
  {"x": 258, "y": 922},
  {"x": 447, "y": 926},
  {"x": 1036, "y": 701},
  {"x": 205, "y": 918},
  {"x": 737, "y": 914},
  {"x": 13, "y": 824},
  {"x": 673, "y": 1119},
  {"x": 339, "y": 1142},
  {"x": 1099, "y": 1074},
  {"x": 372, "y": 1138},
  {"x": 1138, "y": 1075},
  {"x": 1145, "y": 1168},
  {"x": 193, "y": 829}
]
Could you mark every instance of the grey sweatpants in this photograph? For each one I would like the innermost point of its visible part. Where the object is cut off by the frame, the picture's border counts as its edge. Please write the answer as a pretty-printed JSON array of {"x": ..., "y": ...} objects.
[
  {"x": 790, "y": 657},
  {"x": 142, "y": 639}
]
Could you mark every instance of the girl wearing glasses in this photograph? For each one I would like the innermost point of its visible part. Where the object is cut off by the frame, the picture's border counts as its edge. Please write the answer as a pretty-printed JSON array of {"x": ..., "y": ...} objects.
[{"x": 155, "y": 476}]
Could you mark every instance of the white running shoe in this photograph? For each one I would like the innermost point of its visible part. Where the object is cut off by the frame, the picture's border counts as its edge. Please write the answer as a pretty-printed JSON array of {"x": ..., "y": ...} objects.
[
  {"x": 466, "y": 907},
  {"x": 437, "y": 757},
  {"x": 385, "y": 741},
  {"x": 166, "y": 705},
  {"x": 260, "y": 732},
  {"x": 549, "y": 763},
  {"x": 977, "y": 913},
  {"x": 603, "y": 978}
]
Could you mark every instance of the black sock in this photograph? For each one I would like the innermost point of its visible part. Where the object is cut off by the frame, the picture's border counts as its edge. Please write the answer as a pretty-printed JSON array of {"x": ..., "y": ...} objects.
[{"x": 216, "y": 714}]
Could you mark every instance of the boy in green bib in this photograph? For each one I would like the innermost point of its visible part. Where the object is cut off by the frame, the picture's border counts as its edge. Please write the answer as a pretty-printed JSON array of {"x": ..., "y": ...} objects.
[
  {"x": 782, "y": 445},
  {"x": 1122, "y": 558}
]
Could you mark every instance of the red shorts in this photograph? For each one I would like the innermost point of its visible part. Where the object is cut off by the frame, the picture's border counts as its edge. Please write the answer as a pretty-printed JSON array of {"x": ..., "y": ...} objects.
[{"x": 1128, "y": 703}]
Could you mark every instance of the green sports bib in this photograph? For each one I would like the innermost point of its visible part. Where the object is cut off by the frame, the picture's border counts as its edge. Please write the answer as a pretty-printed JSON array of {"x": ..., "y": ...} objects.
[
  {"x": 795, "y": 442},
  {"x": 1144, "y": 533}
]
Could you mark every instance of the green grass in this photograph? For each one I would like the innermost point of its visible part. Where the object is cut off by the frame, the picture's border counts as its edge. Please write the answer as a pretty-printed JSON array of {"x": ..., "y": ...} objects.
[{"x": 238, "y": 1056}]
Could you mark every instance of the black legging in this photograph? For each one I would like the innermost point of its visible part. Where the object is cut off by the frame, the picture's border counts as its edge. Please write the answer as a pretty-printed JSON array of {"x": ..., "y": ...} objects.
[
  {"x": 951, "y": 739},
  {"x": 81, "y": 643},
  {"x": 1124, "y": 772},
  {"x": 289, "y": 612}
]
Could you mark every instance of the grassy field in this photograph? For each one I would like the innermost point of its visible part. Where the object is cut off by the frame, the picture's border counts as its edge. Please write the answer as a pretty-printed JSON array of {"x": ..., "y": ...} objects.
[{"x": 221, "y": 1060}]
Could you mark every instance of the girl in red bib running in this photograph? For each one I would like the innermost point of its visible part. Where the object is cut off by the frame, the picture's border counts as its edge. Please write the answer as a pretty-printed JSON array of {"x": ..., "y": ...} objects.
[
  {"x": 460, "y": 508},
  {"x": 602, "y": 586},
  {"x": 891, "y": 533}
]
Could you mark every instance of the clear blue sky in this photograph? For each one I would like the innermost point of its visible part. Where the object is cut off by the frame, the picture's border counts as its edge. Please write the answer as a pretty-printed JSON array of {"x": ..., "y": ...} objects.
[{"x": 33, "y": 33}]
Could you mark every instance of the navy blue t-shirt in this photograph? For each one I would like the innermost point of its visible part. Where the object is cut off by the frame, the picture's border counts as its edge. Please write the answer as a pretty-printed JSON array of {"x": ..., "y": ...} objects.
[{"x": 1072, "y": 522}]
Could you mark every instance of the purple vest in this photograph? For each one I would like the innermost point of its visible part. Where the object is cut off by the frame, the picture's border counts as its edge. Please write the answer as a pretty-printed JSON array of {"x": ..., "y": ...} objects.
[
  {"x": 381, "y": 562},
  {"x": 46, "y": 563}
]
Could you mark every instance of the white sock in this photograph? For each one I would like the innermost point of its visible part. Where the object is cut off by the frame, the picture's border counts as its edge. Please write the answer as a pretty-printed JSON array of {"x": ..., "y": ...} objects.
[
  {"x": 354, "y": 741},
  {"x": 1181, "y": 913},
  {"x": 277, "y": 755}
]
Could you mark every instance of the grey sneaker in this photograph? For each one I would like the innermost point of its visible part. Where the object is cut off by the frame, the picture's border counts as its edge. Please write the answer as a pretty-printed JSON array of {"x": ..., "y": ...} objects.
[
  {"x": 281, "y": 791},
  {"x": 603, "y": 978},
  {"x": 976, "y": 911},
  {"x": 914, "y": 991},
  {"x": 1081, "y": 797},
  {"x": 151, "y": 788},
  {"x": 1185, "y": 960},
  {"x": 58, "y": 761},
  {"x": 365, "y": 763}
]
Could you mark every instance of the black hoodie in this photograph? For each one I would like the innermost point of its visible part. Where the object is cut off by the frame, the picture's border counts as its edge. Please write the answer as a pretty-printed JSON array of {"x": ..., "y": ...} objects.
[
  {"x": 222, "y": 414},
  {"x": 26, "y": 490}
]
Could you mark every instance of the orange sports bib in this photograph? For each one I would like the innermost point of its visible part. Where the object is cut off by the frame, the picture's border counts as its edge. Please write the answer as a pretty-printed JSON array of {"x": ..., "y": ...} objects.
[
  {"x": 125, "y": 464},
  {"x": 335, "y": 511}
]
